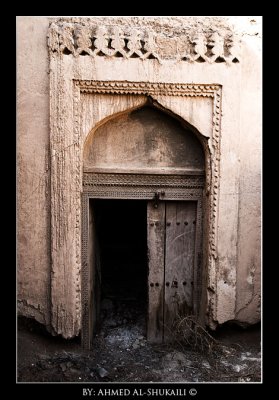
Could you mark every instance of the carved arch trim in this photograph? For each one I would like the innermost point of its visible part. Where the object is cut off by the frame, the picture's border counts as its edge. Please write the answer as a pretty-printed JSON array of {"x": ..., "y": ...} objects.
[
  {"x": 66, "y": 145},
  {"x": 172, "y": 89}
]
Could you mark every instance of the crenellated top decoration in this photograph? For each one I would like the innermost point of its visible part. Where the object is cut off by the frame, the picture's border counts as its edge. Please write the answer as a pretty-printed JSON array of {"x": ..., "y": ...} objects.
[{"x": 119, "y": 42}]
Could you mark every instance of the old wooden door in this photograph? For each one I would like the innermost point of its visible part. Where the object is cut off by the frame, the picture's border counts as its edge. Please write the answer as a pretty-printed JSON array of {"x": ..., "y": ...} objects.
[
  {"x": 171, "y": 236},
  {"x": 156, "y": 261}
]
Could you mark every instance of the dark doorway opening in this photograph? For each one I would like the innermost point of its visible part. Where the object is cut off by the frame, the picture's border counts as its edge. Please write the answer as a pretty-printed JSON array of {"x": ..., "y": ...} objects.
[{"x": 121, "y": 237}]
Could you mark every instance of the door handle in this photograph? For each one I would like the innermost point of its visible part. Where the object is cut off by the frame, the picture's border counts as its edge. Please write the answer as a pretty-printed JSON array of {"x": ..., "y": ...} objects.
[{"x": 156, "y": 198}]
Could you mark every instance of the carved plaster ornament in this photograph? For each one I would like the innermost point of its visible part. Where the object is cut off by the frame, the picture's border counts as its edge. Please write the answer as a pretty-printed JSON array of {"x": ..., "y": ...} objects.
[
  {"x": 118, "y": 42},
  {"x": 101, "y": 42},
  {"x": 76, "y": 39},
  {"x": 215, "y": 46},
  {"x": 233, "y": 47},
  {"x": 199, "y": 48},
  {"x": 134, "y": 44},
  {"x": 83, "y": 40},
  {"x": 67, "y": 40}
]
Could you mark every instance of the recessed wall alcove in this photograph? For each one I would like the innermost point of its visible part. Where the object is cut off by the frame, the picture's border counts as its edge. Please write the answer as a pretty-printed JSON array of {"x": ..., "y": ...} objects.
[{"x": 155, "y": 164}]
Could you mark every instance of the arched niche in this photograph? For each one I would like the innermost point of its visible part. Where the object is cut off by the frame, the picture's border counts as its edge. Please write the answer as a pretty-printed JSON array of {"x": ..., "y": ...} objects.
[
  {"x": 150, "y": 155},
  {"x": 144, "y": 140}
]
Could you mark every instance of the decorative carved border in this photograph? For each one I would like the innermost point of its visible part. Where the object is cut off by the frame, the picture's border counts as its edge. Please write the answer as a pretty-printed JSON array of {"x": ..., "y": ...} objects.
[
  {"x": 115, "y": 180},
  {"x": 62, "y": 142},
  {"x": 140, "y": 187},
  {"x": 125, "y": 42},
  {"x": 147, "y": 88}
]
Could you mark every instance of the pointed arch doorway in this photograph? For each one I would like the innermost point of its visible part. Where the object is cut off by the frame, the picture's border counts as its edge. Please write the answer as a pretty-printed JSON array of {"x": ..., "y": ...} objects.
[{"x": 152, "y": 164}]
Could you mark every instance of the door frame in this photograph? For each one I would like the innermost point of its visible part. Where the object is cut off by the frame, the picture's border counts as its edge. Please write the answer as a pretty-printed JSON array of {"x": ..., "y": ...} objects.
[{"x": 178, "y": 187}]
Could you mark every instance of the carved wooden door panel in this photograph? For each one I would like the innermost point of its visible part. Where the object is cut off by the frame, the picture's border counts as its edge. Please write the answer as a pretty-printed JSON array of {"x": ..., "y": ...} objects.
[
  {"x": 179, "y": 262},
  {"x": 156, "y": 255},
  {"x": 171, "y": 236}
]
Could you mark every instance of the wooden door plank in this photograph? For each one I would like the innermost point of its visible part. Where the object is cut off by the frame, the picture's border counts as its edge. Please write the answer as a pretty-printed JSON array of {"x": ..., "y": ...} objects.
[
  {"x": 156, "y": 253},
  {"x": 179, "y": 262}
]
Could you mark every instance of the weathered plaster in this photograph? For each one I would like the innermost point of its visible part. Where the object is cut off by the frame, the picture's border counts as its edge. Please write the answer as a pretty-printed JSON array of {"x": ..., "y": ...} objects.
[
  {"x": 248, "y": 302},
  {"x": 33, "y": 169},
  {"x": 237, "y": 266}
]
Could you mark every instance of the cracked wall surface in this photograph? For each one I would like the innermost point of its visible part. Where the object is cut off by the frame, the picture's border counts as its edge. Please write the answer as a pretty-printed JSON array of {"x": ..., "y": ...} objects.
[
  {"x": 248, "y": 302},
  {"x": 238, "y": 261},
  {"x": 33, "y": 208}
]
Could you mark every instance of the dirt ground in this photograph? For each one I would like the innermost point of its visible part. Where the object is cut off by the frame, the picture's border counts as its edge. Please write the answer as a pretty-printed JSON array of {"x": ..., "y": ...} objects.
[{"x": 122, "y": 354}]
